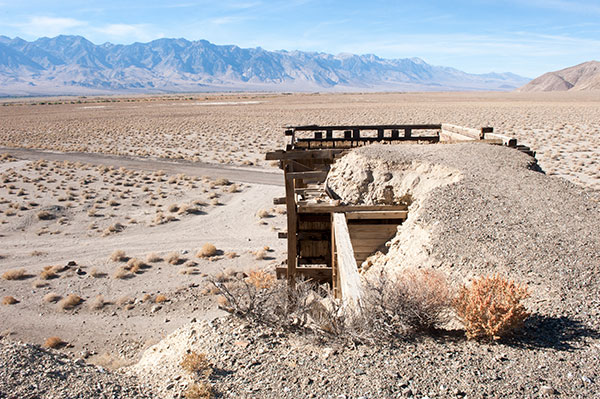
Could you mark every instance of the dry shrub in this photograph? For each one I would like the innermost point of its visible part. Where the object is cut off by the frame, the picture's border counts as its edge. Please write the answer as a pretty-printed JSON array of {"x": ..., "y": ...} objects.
[
  {"x": 199, "y": 390},
  {"x": 207, "y": 251},
  {"x": 491, "y": 307},
  {"x": 14, "y": 274},
  {"x": 160, "y": 298},
  {"x": 263, "y": 213},
  {"x": 134, "y": 265},
  {"x": 48, "y": 273},
  {"x": 222, "y": 182},
  {"x": 173, "y": 258},
  {"x": 54, "y": 343},
  {"x": 121, "y": 273},
  {"x": 173, "y": 208},
  {"x": 196, "y": 363},
  {"x": 94, "y": 272},
  {"x": 52, "y": 297},
  {"x": 261, "y": 279},
  {"x": 402, "y": 304},
  {"x": 97, "y": 303},
  {"x": 119, "y": 256},
  {"x": 260, "y": 254},
  {"x": 69, "y": 302},
  {"x": 9, "y": 300},
  {"x": 111, "y": 362},
  {"x": 153, "y": 258},
  {"x": 45, "y": 215},
  {"x": 231, "y": 255}
]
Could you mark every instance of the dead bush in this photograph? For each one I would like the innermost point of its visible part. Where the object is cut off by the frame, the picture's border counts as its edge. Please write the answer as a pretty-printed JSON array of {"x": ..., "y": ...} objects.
[
  {"x": 9, "y": 300},
  {"x": 97, "y": 303},
  {"x": 54, "y": 343},
  {"x": 402, "y": 304},
  {"x": 45, "y": 215},
  {"x": 207, "y": 251},
  {"x": 196, "y": 363},
  {"x": 199, "y": 390},
  {"x": 173, "y": 258},
  {"x": 491, "y": 307},
  {"x": 52, "y": 297},
  {"x": 69, "y": 302},
  {"x": 153, "y": 258},
  {"x": 14, "y": 274},
  {"x": 261, "y": 279},
  {"x": 119, "y": 256},
  {"x": 160, "y": 298}
]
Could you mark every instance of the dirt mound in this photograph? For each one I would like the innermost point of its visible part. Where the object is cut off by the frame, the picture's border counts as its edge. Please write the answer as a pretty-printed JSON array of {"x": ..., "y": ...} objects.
[{"x": 479, "y": 209}]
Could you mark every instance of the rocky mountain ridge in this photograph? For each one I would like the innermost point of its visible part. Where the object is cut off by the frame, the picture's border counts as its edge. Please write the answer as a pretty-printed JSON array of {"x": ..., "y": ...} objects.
[{"x": 74, "y": 65}]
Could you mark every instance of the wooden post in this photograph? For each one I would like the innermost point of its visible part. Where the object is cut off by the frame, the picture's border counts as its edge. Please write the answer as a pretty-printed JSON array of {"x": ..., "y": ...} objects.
[
  {"x": 380, "y": 133},
  {"x": 347, "y": 134},
  {"x": 407, "y": 132},
  {"x": 292, "y": 222},
  {"x": 395, "y": 133},
  {"x": 329, "y": 134},
  {"x": 347, "y": 270},
  {"x": 356, "y": 133},
  {"x": 318, "y": 135}
]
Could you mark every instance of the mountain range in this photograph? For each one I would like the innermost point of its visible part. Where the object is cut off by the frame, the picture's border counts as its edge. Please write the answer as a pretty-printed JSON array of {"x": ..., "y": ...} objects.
[
  {"x": 582, "y": 77},
  {"x": 74, "y": 65}
]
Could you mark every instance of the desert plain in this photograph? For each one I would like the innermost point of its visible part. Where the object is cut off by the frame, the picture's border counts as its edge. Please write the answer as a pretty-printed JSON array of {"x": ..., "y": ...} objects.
[{"x": 114, "y": 211}]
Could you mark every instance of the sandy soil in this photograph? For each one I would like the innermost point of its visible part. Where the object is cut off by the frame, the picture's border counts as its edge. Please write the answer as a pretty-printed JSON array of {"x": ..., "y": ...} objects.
[{"x": 52, "y": 213}]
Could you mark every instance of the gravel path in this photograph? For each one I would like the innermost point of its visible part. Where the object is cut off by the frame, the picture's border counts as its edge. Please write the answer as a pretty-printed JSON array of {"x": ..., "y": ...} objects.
[{"x": 253, "y": 175}]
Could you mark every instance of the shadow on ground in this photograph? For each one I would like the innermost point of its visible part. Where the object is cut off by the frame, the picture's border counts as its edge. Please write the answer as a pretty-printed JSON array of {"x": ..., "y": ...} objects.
[{"x": 560, "y": 333}]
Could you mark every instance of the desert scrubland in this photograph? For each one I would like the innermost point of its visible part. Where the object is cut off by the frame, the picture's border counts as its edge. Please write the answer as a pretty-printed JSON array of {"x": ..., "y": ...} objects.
[
  {"x": 239, "y": 129},
  {"x": 104, "y": 259}
]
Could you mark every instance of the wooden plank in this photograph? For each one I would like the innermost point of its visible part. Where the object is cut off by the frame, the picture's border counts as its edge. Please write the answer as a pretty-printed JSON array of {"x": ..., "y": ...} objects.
[
  {"x": 292, "y": 246},
  {"x": 282, "y": 234},
  {"x": 279, "y": 201},
  {"x": 507, "y": 141},
  {"x": 361, "y": 215},
  {"x": 350, "y": 283},
  {"x": 465, "y": 131},
  {"x": 350, "y": 141},
  {"x": 308, "y": 175},
  {"x": 365, "y": 127},
  {"x": 318, "y": 274},
  {"x": 302, "y": 154},
  {"x": 304, "y": 207},
  {"x": 382, "y": 229}
]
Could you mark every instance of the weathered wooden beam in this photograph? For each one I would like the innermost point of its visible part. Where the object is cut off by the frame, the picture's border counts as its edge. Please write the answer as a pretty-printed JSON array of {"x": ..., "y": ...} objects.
[
  {"x": 365, "y": 127},
  {"x": 318, "y": 274},
  {"x": 279, "y": 201},
  {"x": 350, "y": 284},
  {"x": 282, "y": 234},
  {"x": 319, "y": 174},
  {"x": 465, "y": 131},
  {"x": 292, "y": 246},
  {"x": 506, "y": 140},
  {"x": 304, "y": 207},
  {"x": 302, "y": 154},
  {"x": 361, "y": 215}
]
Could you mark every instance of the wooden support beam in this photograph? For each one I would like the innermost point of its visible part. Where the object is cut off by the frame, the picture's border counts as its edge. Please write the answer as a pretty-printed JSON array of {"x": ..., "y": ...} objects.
[
  {"x": 365, "y": 127},
  {"x": 464, "y": 131},
  {"x": 279, "y": 201},
  {"x": 318, "y": 175},
  {"x": 318, "y": 274},
  {"x": 367, "y": 215},
  {"x": 407, "y": 132},
  {"x": 350, "y": 283},
  {"x": 302, "y": 154},
  {"x": 507, "y": 141},
  {"x": 304, "y": 207},
  {"x": 292, "y": 246}
]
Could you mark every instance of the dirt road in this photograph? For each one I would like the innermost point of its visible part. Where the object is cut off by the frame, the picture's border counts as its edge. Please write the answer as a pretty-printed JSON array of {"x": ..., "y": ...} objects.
[{"x": 169, "y": 166}]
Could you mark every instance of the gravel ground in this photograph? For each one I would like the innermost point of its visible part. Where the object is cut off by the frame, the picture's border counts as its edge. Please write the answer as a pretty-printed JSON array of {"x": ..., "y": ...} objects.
[{"x": 29, "y": 371}]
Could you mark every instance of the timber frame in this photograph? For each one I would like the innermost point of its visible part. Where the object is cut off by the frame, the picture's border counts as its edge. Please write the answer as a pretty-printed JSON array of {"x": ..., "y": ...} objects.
[{"x": 327, "y": 241}]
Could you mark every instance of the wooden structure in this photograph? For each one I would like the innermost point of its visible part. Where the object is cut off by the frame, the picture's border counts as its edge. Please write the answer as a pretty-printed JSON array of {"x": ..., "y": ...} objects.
[{"x": 327, "y": 240}]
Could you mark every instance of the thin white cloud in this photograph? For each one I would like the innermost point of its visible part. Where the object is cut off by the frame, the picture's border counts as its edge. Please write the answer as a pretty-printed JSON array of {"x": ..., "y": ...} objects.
[
  {"x": 129, "y": 33},
  {"x": 49, "y": 26}
]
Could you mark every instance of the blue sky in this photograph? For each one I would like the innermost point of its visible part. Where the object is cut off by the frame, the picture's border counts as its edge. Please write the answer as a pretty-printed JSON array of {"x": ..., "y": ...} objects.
[{"x": 527, "y": 37}]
